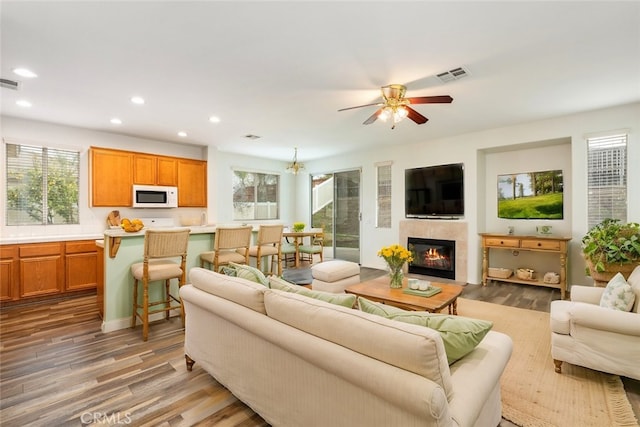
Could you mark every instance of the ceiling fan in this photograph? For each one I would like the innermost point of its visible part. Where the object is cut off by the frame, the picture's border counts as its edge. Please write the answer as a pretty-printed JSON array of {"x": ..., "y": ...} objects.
[{"x": 396, "y": 107}]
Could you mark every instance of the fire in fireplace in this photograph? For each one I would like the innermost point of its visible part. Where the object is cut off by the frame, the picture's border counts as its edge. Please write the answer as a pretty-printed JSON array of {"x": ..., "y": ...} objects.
[{"x": 433, "y": 257}]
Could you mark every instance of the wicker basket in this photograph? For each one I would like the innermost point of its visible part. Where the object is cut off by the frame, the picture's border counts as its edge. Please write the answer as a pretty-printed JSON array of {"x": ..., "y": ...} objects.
[
  {"x": 526, "y": 274},
  {"x": 499, "y": 272}
]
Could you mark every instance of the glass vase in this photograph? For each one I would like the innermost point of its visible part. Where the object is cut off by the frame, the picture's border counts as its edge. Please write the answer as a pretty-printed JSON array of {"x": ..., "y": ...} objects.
[{"x": 395, "y": 277}]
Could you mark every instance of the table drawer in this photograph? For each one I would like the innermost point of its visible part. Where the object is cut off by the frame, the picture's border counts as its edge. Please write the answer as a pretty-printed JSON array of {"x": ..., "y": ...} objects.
[
  {"x": 502, "y": 242},
  {"x": 544, "y": 245}
]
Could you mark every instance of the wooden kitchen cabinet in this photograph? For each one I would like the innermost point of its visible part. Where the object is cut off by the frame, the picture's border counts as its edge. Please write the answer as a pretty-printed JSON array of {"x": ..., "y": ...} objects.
[
  {"x": 154, "y": 170},
  {"x": 41, "y": 269},
  {"x": 111, "y": 177},
  {"x": 114, "y": 172},
  {"x": 192, "y": 183},
  {"x": 9, "y": 273},
  {"x": 80, "y": 265}
]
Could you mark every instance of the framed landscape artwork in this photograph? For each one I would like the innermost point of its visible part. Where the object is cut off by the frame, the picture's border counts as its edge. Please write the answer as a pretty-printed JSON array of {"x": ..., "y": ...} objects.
[{"x": 531, "y": 195}]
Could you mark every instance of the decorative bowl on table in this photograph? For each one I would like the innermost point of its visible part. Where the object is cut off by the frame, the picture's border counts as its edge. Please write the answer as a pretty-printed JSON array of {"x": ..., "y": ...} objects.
[{"x": 131, "y": 226}]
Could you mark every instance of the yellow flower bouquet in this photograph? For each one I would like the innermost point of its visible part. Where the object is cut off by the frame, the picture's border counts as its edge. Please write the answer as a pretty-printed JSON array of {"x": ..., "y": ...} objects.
[{"x": 395, "y": 256}]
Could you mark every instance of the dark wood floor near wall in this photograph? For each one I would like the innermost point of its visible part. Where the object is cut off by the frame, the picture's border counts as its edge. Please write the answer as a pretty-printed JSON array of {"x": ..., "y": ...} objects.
[{"x": 58, "y": 368}]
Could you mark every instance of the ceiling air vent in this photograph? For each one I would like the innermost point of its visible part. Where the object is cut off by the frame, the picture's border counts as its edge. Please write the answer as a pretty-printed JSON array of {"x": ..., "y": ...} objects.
[
  {"x": 9, "y": 84},
  {"x": 251, "y": 136},
  {"x": 455, "y": 74}
]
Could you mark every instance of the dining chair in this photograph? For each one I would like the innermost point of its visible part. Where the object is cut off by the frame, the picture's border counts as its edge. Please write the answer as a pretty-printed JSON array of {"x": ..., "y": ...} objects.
[
  {"x": 230, "y": 244},
  {"x": 316, "y": 246},
  {"x": 268, "y": 243},
  {"x": 288, "y": 253},
  {"x": 161, "y": 250}
]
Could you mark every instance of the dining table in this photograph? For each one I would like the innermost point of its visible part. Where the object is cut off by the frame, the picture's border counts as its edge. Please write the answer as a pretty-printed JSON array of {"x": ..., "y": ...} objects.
[{"x": 298, "y": 238}]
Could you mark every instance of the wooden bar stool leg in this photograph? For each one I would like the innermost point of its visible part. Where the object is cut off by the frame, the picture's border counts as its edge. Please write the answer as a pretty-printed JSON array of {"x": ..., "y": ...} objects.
[
  {"x": 145, "y": 310},
  {"x": 134, "y": 311},
  {"x": 167, "y": 290}
]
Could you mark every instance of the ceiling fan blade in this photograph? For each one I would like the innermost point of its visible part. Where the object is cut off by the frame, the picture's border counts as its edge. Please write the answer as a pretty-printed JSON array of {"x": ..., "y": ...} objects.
[
  {"x": 373, "y": 117},
  {"x": 360, "y": 106},
  {"x": 415, "y": 116},
  {"x": 442, "y": 99}
]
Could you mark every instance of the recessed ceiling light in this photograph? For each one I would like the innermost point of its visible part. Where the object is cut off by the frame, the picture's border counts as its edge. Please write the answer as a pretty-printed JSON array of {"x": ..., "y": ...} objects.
[
  {"x": 116, "y": 121},
  {"x": 137, "y": 100},
  {"x": 182, "y": 134},
  {"x": 214, "y": 119},
  {"x": 24, "y": 72},
  {"x": 23, "y": 103}
]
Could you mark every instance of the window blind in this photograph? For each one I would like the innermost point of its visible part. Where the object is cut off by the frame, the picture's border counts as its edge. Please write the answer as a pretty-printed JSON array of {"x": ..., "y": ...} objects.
[
  {"x": 607, "y": 178},
  {"x": 42, "y": 185},
  {"x": 383, "y": 196}
]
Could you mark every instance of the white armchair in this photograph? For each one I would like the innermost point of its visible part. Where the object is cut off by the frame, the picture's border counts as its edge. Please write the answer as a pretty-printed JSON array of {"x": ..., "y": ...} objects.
[{"x": 585, "y": 334}]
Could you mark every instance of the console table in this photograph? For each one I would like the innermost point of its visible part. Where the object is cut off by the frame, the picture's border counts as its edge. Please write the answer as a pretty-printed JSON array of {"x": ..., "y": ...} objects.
[{"x": 553, "y": 245}]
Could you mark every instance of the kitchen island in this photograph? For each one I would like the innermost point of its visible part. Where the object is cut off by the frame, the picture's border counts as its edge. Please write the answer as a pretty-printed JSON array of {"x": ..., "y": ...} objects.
[{"x": 118, "y": 282}]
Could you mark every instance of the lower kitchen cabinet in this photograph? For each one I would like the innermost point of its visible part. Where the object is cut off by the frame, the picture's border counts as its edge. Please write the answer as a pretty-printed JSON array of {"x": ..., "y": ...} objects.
[
  {"x": 35, "y": 270},
  {"x": 9, "y": 273},
  {"x": 81, "y": 262}
]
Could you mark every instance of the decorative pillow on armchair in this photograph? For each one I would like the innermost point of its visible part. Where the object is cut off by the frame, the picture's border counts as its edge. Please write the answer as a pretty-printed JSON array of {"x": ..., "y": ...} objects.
[{"x": 618, "y": 294}]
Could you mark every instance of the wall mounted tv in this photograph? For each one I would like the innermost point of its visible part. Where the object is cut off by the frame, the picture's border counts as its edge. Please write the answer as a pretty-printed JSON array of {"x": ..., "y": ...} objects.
[{"x": 434, "y": 191}]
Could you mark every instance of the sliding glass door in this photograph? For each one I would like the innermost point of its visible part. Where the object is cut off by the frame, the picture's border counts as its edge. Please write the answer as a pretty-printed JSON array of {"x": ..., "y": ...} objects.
[{"x": 335, "y": 207}]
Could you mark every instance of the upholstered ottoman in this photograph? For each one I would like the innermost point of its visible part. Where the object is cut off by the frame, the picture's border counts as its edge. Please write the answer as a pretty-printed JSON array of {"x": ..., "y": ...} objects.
[{"x": 335, "y": 275}]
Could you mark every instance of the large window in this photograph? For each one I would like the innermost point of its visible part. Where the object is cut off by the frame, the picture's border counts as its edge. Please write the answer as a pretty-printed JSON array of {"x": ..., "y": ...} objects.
[
  {"x": 42, "y": 185},
  {"x": 607, "y": 178},
  {"x": 255, "y": 195},
  {"x": 383, "y": 195}
]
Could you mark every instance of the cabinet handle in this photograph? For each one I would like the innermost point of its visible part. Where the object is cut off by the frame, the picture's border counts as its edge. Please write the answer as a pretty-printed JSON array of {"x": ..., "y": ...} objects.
[
  {"x": 501, "y": 242},
  {"x": 539, "y": 244}
]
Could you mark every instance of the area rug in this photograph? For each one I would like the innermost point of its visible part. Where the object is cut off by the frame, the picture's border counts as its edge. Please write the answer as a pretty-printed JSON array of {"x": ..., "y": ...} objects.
[{"x": 533, "y": 394}]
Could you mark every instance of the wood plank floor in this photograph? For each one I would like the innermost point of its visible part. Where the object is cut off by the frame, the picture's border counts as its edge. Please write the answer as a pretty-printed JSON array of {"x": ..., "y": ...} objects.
[{"x": 58, "y": 369}]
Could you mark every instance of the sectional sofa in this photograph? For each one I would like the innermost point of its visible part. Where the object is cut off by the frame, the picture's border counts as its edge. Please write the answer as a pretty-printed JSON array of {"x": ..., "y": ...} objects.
[{"x": 300, "y": 361}]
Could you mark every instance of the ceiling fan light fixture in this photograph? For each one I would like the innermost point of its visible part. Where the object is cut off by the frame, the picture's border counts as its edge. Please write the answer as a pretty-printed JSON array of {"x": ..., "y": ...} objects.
[{"x": 294, "y": 167}]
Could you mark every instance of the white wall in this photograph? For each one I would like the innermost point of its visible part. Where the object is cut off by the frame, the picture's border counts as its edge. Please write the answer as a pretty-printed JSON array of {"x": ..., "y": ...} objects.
[{"x": 481, "y": 152}]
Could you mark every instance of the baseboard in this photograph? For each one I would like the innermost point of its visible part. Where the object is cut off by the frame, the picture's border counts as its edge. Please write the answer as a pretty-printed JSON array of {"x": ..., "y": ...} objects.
[{"x": 124, "y": 323}]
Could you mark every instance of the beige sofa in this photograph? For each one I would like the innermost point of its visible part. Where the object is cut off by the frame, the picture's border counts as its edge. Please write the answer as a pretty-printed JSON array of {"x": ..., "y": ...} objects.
[
  {"x": 298, "y": 361},
  {"x": 585, "y": 334}
]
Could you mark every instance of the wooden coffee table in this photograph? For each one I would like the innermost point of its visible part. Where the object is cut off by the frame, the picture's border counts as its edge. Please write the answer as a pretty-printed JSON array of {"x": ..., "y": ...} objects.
[{"x": 378, "y": 290}]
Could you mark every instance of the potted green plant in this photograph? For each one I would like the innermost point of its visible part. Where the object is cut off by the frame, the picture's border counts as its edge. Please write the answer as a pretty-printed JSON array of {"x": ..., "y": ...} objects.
[{"x": 611, "y": 247}]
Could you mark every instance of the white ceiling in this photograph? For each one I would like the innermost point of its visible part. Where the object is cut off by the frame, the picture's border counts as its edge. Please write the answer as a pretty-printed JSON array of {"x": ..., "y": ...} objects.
[{"x": 281, "y": 70}]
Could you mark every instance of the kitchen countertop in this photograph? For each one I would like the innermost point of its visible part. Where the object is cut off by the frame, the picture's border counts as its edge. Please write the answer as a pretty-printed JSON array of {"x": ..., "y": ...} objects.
[
  {"x": 47, "y": 239},
  {"x": 113, "y": 232},
  {"x": 197, "y": 229}
]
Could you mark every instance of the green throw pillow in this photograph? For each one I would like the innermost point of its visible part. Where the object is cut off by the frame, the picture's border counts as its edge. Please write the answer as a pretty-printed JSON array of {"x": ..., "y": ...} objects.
[
  {"x": 459, "y": 334},
  {"x": 345, "y": 300},
  {"x": 618, "y": 294},
  {"x": 250, "y": 273},
  {"x": 228, "y": 271},
  {"x": 377, "y": 308}
]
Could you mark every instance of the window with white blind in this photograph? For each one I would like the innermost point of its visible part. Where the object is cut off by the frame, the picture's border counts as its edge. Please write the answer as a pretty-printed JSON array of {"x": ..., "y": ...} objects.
[
  {"x": 42, "y": 185},
  {"x": 607, "y": 178},
  {"x": 255, "y": 195},
  {"x": 383, "y": 195}
]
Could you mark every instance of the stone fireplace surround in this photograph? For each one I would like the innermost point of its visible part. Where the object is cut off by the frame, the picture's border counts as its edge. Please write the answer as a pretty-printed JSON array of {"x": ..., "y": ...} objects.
[{"x": 440, "y": 229}]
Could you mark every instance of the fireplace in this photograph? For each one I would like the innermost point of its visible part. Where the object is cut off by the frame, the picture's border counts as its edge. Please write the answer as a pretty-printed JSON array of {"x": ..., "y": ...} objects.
[{"x": 433, "y": 257}]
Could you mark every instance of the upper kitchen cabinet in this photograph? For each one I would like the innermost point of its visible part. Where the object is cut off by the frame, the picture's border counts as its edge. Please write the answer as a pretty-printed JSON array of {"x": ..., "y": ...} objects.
[
  {"x": 192, "y": 183},
  {"x": 149, "y": 169},
  {"x": 111, "y": 177}
]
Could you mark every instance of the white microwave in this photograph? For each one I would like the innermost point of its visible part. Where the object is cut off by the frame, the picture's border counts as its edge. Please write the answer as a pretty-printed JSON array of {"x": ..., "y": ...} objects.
[{"x": 155, "y": 196}]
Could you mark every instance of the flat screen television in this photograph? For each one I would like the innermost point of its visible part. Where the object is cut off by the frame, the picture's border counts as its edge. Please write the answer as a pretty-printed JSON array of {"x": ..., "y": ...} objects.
[{"x": 434, "y": 191}]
